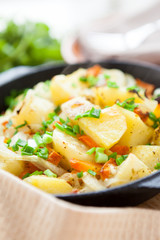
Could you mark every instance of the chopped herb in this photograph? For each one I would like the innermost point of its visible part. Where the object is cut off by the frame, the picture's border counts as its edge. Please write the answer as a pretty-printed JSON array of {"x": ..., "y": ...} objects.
[
  {"x": 113, "y": 155},
  {"x": 134, "y": 88},
  {"x": 47, "y": 138},
  {"x": 9, "y": 124},
  {"x": 156, "y": 121},
  {"x": 106, "y": 106},
  {"x": 76, "y": 129},
  {"x": 27, "y": 150},
  {"x": 36, "y": 173},
  {"x": 47, "y": 83},
  {"x": 57, "y": 109},
  {"x": 121, "y": 159},
  {"x": 49, "y": 133},
  {"x": 15, "y": 147},
  {"x": 20, "y": 126},
  {"x": 42, "y": 153},
  {"x": 91, "y": 151},
  {"x": 106, "y": 76},
  {"x": 21, "y": 142},
  {"x": 94, "y": 113},
  {"x": 100, "y": 156},
  {"x": 80, "y": 174},
  {"x": 111, "y": 84},
  {"x": 8, "y": 142},
  {"x": 26, "y": 175},
  {"x": 157, "y": 167},
  {"x": 38, "y": 139},
  {"x": 92, "y": 172},
  {"x": 65, "y": 128},
  {"x": 83, "y": 79},
  {"x": 49, "y": 173},
  {"x": 82, "y": 132},
  {"x": 74, "y": 85},
  {"x": 128, "y": 104}
]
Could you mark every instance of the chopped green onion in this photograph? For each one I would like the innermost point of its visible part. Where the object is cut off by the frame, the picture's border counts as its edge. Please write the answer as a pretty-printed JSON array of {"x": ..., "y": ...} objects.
[
  {"x": 80, "y": 174},
  {"x": 76, "y": 129},
  {"x": 94, "y": 113},
  {"x": 92, "y": 81},
  {"x": 42, "y": 153},
  {"x": 92, "y": 172},
  {"x": 100, "y": 156},
  {"x": 21, "y": 142},
  {"x": 82, "y": 132},
  {"x": 47, "y": 138},
  {"x": 91, "y": 151},
  {"x": 111, "y": 84},
  {"x": 39, "y": 141},
  {"x": 57, "y": 109},
  {"x": 36, "y": 173},
  {"x": 15, "y": 147},
  {"x": 65, "y": 128},
  {"x": 113, "y": 155},
  {"x": 106, "y": 76},
  {"x": 128, "y": 104},
  {"x": 8, "y": 142},
  {"x": 157, "y": 166},
  {"x": 27, "y": 150},
  {"x": 121, "y": 159},
  {"x": 134, "y": 88},
  {"x": 20, "y": 126},
  {"x": 26, "y": 175},
  {"x": 156, "y": 121},
  {"x": 49, "y": 173},
  {"x": 83, "y": 79},
  {"x": 49, "y": 133}
]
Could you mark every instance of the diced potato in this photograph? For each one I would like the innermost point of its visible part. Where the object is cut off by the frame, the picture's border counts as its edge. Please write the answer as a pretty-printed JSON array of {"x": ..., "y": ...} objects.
[
  {"x": 76, "y": 106},
  {"x": 131, "y": 169},
  {"x": 14, "y": 167},
  {"x": 137, "y": 132},
  {"x": 156, "y": 137},
  {"x": 117, "y": 76},
  {"x": 65, "y": 87},
  {"x": 108, "y": 96},
  {"x": 43, "y": 90},
  {"x": 49, "y": 184},
  {"x": 70, "y": 147},
  {"x": 92, "y": 183},
  {"x": 107, "y": 130},
  {"x": 34, "y": 110},
  {"x": 148, "y": 154}
]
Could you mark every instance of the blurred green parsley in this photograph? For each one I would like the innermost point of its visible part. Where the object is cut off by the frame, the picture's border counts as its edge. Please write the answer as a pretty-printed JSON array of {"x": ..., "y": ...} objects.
[{"x": 27, "y": 44}]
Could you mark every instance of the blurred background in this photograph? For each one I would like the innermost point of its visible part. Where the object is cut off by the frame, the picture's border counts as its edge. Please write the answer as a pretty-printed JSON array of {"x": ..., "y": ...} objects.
[{"x": 35, "y": 32}]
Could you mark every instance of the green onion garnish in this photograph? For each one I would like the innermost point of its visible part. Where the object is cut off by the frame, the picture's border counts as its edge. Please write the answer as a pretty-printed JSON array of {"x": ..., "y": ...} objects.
[
  {"x": 100, "y": 156},
  {"x": 20, "y": 126},
  {"x": 49, "y": 173},
  {"x": 157, "y": 167},
  {"x": 42, "y": 153},
  {"x": 128, "y": 104},
  {"x": 121, "y": 159},
  {"x": 21, "y": 142},
  {"x": 91, "y": 151},
  {"x": 113, "y": 155},
  {"x": 156, "y": 121},
  {"x": 80, "y": 174},
  {"x": 27, "y": 150},
  {"x": 93, "y": 113},
  {"x": 39, "y": 141},
  {"x": 134, "y": 88},
  {"x": 111, "y": 84},
  {"x": 8, "y": 142},
  {"x": 47, "y": 138},
  {"x": 92, "y": 172},
  {"x": 36, "y": 173}
]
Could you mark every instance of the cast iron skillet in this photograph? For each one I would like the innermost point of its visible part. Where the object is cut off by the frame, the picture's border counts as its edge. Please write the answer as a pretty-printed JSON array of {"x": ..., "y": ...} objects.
[{"x": 129, "y": 194}]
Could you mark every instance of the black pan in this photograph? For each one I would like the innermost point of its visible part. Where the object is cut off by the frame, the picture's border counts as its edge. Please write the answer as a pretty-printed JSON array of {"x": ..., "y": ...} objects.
[{"x": 129, "y": 194}]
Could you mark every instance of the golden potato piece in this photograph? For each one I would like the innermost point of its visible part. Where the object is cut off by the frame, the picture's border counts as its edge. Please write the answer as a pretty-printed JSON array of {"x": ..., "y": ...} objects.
[
  {"x": 49, "y": 184},
  {"x": 131, "y": 169},
  {"x": 12, "y": 166},
  {"x": 150, "y": 155},
  {"x": 137, "y": 133}
]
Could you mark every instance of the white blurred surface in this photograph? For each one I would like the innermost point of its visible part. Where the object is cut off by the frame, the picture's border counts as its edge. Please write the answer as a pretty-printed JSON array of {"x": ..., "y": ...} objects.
[{"x": 65, "y": 16}]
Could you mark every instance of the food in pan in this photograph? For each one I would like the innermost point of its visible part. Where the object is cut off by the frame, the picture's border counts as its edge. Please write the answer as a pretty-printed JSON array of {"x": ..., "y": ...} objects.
[{"x": 87, "y": 131}]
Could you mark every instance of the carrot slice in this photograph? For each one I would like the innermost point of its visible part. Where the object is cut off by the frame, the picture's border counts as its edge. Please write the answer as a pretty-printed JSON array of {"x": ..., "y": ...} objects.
[
  {"x": 88, "y": 141},
  {"x": 93, "y": 71},
  {"x": 157, "y": 111},
  {"x": 84, "y": 166},
  {"x": 149, "y": 87},
  {"x": 105, "y": 170},
  {"x": 54, "y": 157},
  {"x": 120, "y": 149}
]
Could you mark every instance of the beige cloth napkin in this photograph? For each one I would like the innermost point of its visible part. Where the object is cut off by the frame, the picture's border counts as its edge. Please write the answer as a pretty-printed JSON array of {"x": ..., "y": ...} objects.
[
  {"x": 26, "y": 213},
  {"x": 78, "y": 48}
]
